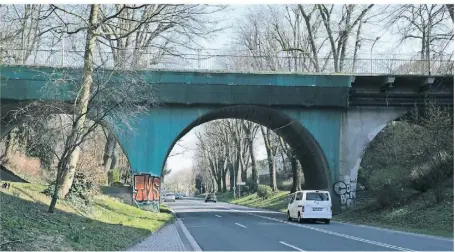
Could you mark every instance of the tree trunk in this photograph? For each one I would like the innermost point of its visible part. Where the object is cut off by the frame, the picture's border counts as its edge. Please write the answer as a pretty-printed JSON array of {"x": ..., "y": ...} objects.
[
  {"x": 314, "y": 50},
  {"x": 219, "y": 178},
  {"x": 224, "y": 180},
  {"x": 283, "y": 160},
  {"x": 296, "y": 178},
  {"x": 428, "y": 45},
  {"x": 231, "y": 176},
  {"x": 109, "y": 149},
  {"x": 272, "y": 171},
  {"x": 69, "y": 172},
  {"x": 243, "y": 169},
  {"x": 239, "y": 166},
  {"x": 82, "y": 105},
  {"x": 270, "y": 158},
  {"x": 450, "y": 9},
  {"x": 254, "y": 169},
  {"x": 60, "y": 166},
  {"x": 11, "y": 142},
  {"x": 356, "y": 47}
]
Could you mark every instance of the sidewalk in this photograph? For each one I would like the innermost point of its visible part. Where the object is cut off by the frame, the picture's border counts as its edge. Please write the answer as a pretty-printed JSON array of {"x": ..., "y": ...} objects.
[{"x": 166, "y": 239}]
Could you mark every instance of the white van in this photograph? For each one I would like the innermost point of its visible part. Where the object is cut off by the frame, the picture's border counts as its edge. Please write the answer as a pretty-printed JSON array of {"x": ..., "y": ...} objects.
[
  {"x": 169, "y": 197},
  {"x": 310, "y": 205}
]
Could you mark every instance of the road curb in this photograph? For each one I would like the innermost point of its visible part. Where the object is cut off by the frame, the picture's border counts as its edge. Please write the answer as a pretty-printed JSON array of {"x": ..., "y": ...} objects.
[{"x": 193, "y": 243}]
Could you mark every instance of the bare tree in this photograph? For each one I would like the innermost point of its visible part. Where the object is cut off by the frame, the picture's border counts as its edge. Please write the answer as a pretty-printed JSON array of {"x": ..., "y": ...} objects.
[
  {"x": 96, "y": 97},
  {"x": 163, "y": 30},
  {"x": 296, "y": 173},
  {"x": 251, "y": 130},
  {"x": 347, "y": 23},
  {"x": 271, "y": 147},
  {"x": 80, "y": 108},
  {"x": 429, "y": 25},
  {"x": 26, "y": 28}
]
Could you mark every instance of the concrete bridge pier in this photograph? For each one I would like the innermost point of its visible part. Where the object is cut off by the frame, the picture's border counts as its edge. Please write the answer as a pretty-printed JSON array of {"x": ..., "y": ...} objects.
[
  {"x": 359, "y": 126},
  {"x": 147, "y": 147}
]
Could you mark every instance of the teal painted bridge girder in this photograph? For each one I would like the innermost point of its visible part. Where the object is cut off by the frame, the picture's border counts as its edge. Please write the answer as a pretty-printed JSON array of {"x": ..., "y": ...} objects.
[{"x": 156, "y": 131}]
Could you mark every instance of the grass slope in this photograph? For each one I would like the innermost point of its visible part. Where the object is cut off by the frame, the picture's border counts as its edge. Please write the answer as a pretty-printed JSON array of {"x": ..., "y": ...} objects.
[
  {"x": 278, "y": 201},
  {"x": 111, "y": 225},
  {"x": 419, "y": 215}
]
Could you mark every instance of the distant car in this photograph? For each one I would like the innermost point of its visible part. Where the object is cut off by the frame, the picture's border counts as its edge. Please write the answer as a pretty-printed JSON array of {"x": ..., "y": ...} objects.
[
  {"x": 179, "y": 196},
  {"x": 169, "y": 197},
  {"x": 210, "y": 197},
  {"x": 310, "y": 205}
]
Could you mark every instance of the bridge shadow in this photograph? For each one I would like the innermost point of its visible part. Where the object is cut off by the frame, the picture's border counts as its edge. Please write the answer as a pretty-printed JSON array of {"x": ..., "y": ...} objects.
[
  {"x": 128, "y": 215},
  {"x": 27, "y": 226}
]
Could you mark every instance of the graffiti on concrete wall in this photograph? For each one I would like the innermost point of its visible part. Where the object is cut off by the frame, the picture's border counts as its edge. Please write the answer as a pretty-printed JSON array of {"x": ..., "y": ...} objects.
[
  {"x": 146, "y": 192},
  {"x": 346, "y": 190}
]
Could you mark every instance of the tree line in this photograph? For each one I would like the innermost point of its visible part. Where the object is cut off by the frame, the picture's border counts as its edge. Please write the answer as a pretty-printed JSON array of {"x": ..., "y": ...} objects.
[{"x": 226, "y": 154}]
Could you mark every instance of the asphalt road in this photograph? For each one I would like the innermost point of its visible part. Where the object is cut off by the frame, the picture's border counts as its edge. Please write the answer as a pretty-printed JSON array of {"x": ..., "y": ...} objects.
[{"x": 226, "y": 227}]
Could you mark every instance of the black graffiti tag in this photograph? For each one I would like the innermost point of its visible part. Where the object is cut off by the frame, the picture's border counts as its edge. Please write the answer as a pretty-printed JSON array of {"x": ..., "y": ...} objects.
[{"x": 347, "y": 195}]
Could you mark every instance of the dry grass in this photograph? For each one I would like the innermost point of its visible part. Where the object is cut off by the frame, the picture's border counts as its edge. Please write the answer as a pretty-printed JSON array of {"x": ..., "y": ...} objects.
[
  {"x": 111, "y": 225},
  {"x": 24, "y": 166}
]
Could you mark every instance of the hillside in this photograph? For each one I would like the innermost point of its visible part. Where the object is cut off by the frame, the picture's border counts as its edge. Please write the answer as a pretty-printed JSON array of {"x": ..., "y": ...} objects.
[{"x": 107, "y": 225}]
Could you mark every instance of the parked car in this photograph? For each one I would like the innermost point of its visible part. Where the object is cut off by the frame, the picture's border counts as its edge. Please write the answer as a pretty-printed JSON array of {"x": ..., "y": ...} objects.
[
  {"x": 169, "y": 197},
  {"x": 310, "y": 205},
  {"x": 210, "y": 197}
]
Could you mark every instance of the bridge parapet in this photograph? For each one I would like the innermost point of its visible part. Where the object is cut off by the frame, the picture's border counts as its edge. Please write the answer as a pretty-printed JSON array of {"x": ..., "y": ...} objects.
[{"x": 242, "y": 62}]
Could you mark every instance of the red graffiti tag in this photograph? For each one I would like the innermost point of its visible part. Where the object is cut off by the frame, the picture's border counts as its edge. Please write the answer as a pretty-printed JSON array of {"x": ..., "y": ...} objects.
[{"x": 146, "y": 188}]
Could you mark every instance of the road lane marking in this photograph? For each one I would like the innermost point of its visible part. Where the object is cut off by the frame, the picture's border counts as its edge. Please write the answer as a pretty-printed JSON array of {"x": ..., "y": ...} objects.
[
  {"x": 395, "y": 231},
  {"x": 289, "y": 245},
  {"x": 238, "y": 224},
  {"x": 217, "y": 215},
  {"x": 385, "y": 245}
]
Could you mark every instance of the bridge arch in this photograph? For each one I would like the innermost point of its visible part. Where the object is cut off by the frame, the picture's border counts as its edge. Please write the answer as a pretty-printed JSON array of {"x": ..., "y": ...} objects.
[
  {"x": 360, "y": 126},
  {"x": 309, "y": 152}
]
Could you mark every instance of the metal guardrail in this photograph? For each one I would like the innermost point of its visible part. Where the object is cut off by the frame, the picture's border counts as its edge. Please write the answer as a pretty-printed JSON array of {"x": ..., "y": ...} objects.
[{"x": 297, "y": 63}]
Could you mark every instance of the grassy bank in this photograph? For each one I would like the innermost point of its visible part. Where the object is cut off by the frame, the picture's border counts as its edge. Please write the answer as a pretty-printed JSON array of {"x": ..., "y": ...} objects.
[
  {"x": 277, "y": 202},
  {"x": 418, "y": 215},
  {"x": 110, "y": 225}
]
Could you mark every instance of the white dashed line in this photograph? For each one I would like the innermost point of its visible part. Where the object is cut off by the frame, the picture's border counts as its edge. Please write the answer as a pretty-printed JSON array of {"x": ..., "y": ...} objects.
[
  {"x": 289, "y": 245},
  {"x": 217, "y": 215},
  {"x": 240, "y": 225},
  {"x": 385, "y": 245}
]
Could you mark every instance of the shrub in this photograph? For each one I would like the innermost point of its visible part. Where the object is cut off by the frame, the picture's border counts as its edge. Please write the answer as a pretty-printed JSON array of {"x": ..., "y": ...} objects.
[
  {"x": 432, "y": 177},
  {"x": 80, "y": 194},
  {"x": 119, "y": 184},
  {"x": 264, "y": 191},
  {"x": 388, "y": 195},
  {"x": 113, "y": 176},
  {"x": 285, "y": 185}
]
